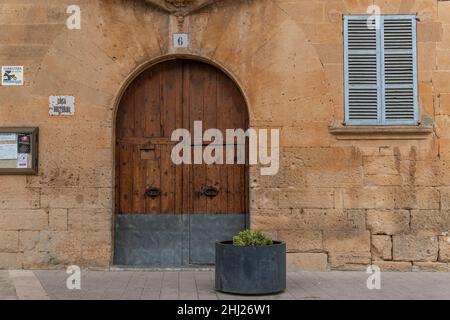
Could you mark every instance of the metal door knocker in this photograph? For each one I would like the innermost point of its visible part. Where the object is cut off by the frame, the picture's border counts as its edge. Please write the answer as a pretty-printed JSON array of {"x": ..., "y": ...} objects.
[
  {"x": 209, "y": 191},
  {"x": 153, "y": 192}
]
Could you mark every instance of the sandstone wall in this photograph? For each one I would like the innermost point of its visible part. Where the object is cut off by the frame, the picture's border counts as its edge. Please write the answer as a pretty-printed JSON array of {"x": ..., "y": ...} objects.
[{"x": 339, "y": 204}]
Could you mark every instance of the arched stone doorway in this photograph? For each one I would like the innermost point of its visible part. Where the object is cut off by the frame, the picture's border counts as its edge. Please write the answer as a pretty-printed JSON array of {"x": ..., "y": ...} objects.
[{"x": 164, "y": 217}]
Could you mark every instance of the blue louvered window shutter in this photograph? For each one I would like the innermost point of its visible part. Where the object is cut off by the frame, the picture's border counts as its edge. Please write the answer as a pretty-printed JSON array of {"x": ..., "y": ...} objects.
[{"x": 381, "y": 71}]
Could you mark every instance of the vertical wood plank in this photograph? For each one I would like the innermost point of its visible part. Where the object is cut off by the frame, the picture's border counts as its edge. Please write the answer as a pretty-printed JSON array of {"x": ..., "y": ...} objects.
[
  {"x": 196, "y": 97},
  {"x": 153, "y": 179}
]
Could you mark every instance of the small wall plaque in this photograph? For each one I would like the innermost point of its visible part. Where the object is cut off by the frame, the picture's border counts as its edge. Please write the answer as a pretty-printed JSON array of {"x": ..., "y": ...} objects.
[
  {"x": 12, "y": 75},
  {"x": 180, "y": 40},
  {"x": 19, "y": 151},
  {"x": 62, "y": 105}
]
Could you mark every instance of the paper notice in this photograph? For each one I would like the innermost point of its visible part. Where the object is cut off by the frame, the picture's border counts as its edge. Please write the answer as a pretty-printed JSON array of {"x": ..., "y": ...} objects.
[
  {"x": 22, "y": 161},
  {"x": 8, "y": 151},
  {"x": 8, "y": 137}
]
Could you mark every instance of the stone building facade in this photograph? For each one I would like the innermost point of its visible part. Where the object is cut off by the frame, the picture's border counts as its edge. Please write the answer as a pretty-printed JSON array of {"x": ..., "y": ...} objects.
[{"x": 344, "y": 197}]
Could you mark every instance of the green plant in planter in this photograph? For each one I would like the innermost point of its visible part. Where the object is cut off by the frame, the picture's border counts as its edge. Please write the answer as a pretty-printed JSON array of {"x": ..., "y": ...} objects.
[{"x": 249, "y": 238}]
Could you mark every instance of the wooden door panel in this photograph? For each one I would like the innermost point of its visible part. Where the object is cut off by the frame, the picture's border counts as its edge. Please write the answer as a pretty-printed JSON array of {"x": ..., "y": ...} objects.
[{"x": 166, "y": 97}]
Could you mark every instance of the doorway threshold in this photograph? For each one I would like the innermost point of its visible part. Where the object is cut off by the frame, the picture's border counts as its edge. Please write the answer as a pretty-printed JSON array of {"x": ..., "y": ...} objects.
[{"x": 156, "y": 269}]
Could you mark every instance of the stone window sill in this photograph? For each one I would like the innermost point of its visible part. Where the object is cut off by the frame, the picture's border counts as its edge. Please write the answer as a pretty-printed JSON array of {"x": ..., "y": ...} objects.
[{"x": 343, "y": 132}]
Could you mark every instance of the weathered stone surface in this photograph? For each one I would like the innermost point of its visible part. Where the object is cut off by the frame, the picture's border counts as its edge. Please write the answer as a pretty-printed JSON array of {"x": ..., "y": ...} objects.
[
  {"x": 445, "y": 199},
  {"x": 430, "y": 222},
  {"x": 347, "y": 247},
  {"x": 417, "y": 198},
  {"x": 38, "y": 260},
  {"x": 69, "y": 247},
  {"x": 387, "y": 266},
  {"x": 9, "y": 241},
  {"x": 10, "y": 260},
  {"x": 28, "y": 240},
  {"x": 369, "y": 198},
  {"x": 389, "y": 165},
  {"x": 23, "y": 219},
  {"x": 93, "y": 219},
  {"x": 76, "y": 198},
  {"x": 306, "y": 261},
  {"x": 430, "y": 267},
  {"x": 264, "y": 198},
  {"x": 305, "y": 241},
  {"x": 415, "y": 248},
  {"x": 381, "y": 247},
  {"x": 307, "y": 198},
  {"x": 388, "y": 221},
  {"x": 58, "y": 219},
  {"x": 308, "y": 219},
  {"x": 272, "y": 219},
  {"x": 444, "y": 248}
]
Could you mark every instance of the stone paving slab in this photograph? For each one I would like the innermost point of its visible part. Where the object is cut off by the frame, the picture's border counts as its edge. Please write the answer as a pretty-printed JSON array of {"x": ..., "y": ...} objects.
[
  {"x": 194, "y": 285},
  {"x": 27, "y": 286},
  {"x": 7, "y": 290}
]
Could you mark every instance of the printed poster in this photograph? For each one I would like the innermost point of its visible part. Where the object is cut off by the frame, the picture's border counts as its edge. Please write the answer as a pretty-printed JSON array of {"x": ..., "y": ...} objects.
[
  {"x": 12, "y": 76},
  {"x": 8, "y": 146}
]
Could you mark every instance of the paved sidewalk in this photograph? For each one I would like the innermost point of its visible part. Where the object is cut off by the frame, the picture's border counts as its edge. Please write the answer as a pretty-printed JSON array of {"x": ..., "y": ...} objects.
[
  {"x": 7, "y": 290},
  {"x": 193, "y": 285}
]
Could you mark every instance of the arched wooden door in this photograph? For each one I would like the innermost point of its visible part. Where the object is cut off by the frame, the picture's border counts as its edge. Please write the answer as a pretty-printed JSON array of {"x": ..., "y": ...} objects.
[{"x": 162, "y": 216}]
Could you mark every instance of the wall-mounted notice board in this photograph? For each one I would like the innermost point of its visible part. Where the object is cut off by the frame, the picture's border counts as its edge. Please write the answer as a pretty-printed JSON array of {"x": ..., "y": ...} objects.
[{"x": 19, "y": 151}]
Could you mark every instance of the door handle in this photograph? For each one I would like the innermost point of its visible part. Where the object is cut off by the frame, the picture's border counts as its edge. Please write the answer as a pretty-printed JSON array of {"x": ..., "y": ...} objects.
[
  {"x": 208, "y": 191},
  {"x": 152, "y": 192}
]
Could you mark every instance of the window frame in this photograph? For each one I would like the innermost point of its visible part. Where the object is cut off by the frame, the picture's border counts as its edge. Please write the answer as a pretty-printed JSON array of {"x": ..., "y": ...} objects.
[{"x": 381, "y": 87}]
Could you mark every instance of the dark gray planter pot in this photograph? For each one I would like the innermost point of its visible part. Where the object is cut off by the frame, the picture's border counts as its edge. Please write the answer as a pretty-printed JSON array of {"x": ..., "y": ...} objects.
[{"x": 250, "y": 270}]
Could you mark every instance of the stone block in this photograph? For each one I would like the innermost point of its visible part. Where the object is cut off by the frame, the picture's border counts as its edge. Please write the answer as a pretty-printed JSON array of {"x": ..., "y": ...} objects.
[
  {"x": 23, "y": 219},
  {"x": 430, "y": 222},
  {"x": 89, "y": 219},
  {"x": 307, "y": 198},
  {"x": 444, "y": 248},
  {"x": 313, "y": 262},
  {"x": 330, "y": 219},
  {"x": 381, "y": 247},
  {"x": 28, "y": 240},
  {"x": 430, "y": 267},
  {"x": 389, "y": 266},
  {"x": 441, "y": 81},
  {"x": 444, "y": 11},
  {"x": 10, "y": 260},
  {"x": 388, "y": 221},
  {"x": 9, "y": 241},
  {"x": 369, "y": 198},
  {"x": 415, "y": 248},
  {"x": 347, "y": 248},
  {"x": 273, "y": 219},
  {"x": 429, "y": 32},
  {"x": 76, "y": 198},
  {"x": 445, "y": 198},
  {"x": 58, "y": 219},
  {"x": 382, "y": 165},
  {"x": 301, "y": 240},
  {"x": 264, "y": 198}
]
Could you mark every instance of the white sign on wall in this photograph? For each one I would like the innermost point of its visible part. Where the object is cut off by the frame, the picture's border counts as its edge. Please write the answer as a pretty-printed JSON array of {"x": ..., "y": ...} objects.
[
  {"x": 62, "y": 105},
  {"x": 8, "y": 146},
  {"x": 22, "y": 161},
  {"x": 180, "y": 40},
  {"x": 12, "y": 75}
]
